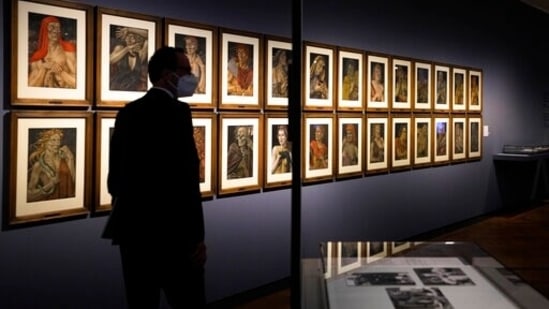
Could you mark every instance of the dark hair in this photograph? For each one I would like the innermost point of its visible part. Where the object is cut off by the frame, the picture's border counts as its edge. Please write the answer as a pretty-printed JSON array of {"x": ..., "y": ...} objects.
[{"x": 164, "y": 58}]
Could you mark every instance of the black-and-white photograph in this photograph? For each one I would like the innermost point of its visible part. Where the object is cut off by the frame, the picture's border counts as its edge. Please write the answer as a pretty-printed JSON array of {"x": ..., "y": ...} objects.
[
  {"x": 443, "y": 276},
  {"x": 427, "y": 298},
  {"x": 379, "y": 278}
]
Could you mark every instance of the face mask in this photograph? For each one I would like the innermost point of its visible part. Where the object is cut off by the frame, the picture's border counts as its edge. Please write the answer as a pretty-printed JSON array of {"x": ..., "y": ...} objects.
[{"x": 186, "y": 85}]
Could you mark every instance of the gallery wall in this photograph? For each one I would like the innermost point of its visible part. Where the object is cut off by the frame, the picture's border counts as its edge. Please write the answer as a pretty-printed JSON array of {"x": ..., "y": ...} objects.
[{"x": 65, "y": 264}]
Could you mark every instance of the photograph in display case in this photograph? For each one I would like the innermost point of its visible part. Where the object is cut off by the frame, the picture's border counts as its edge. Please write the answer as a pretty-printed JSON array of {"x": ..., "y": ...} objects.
[
  {"x": 350, "y": 80},
  {"x": 125, "y": 42},
  {"x": 459, "y": 90},
  {"x": 200, "y": 44},
  {"x": 348, "y": 255},
  {"x": 104, "y": 127},
  {"x": 402, "y": 84},
  {"x": 475, "y": 91},
  {"x": 459, "y": 138},
  {"x": 50, "y": 153},
  {"x": 422, "y": 89},
  {"x": 442, "y": 88},
  {"x": 319, "y": 77},
  {"x": 375, "y": 250},
  {"x": 441, "y": 135},
  {"x": 418, "y": 297},
  {"x": 401, "y": 141},
  {"x": 378, "y": 83},
  {"x": 377, "y": 143},
  {"x": 42, "y": 77},
  {"x": 278, "y": 58},
  {"x": 239, "y": 164},
  {"x": 379, "y": 278},
  {"x": 318, "y": 144},
  {"x": 240, "y": 70},
  {"x": 349, "y": 144},
  {"x": 422, "y": 140},
  {"x": 278, "y": 151},
  {"x": 443, "y": 276},
  {"x": 205, "y": 135},
  {"x": 474, "y": 149}
]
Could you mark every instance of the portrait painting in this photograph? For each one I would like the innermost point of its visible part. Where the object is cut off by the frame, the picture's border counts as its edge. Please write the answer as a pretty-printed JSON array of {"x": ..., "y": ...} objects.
[
  {"x": 348, "y": 255},
  {"x": 475, "y": 91},
  {"x": 422, "y": 145},
  {"x": 51, "y": 58},
  {"x": 402, "y": 84},
  {"x": 103, "y": 133},
  {"x": 459, "y": 92},
  {"x": 318, "y": 145},
  {"x": 126, "y": 41},
  {"x": 475, "y": 137},
  {"x": 377, "y": 143},
  {"x": 204, "y": 133},
  {"x": 422, "y": 80},
  {"x": 199, "y": 43},
  {"x": 401, "y": 145},
  {"x": 279, "y": 56},
  {"x": 442, "y": 88},
  {"x": 350, "y": 80},
  {"x": 349, "y": 148},
  {"x": 319, "y": 76},
  {"x": 441, "y": 143},
  {"x": 278, "y": 151},
  {"x": 378, "y": 82},
  {"x": 50, "y": 168},
  {"x": 459, "y": 138}
]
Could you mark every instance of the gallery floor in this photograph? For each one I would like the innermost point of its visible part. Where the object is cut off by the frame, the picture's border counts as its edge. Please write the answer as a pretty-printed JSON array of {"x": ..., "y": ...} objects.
[{"x": 518, "y": 238}]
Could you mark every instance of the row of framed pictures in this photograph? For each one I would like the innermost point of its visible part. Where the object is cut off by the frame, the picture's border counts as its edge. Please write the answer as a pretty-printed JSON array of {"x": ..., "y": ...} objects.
[
  {"x": 240, "y": 152},
  {"x": 236, "y": 69}
]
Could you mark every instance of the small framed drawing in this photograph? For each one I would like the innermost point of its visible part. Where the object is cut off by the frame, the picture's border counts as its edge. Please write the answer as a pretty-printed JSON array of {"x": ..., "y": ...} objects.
[
  {"x": 474, "y": 142},
  {"x": 239, "y": 164},
  {"x": 377, "y": 142},
  {"x": 378, "y": 83},
  {"x": 401, "y": 141},
  {"x": 42, "y": 78},
  {"x": 459, "y": 138},
  {"x": 104, "y": 126},
  {"x": 122, "y": 72},
  {"x": 475, "y": 91},
  {"x": 398, "y": 246},
  {"x": 279, "y": 56},
  {"x": 349, "y": 144},
  {"x": 441, "y": 144},
  {"x": 278, "y": 151},
  {"x": 205, "y": 135},
  {"x": 319, "y": 77},
  {"x": 422, "y": 90},
  {"x": 200, "y": 44},
  {"x": 350, "y": 83},
  {"x": 459, "y": 90},
  {"x": 240, "y": 70},
  {"x": 442, "y": 88},
  {"x": 375, "y": 250},
  {"x": 318, "y": 144},
  {"x": 402, "y": 85},
  {"x": 50, "y": 165},
  {"x": 348, "y": 255},
  {"x": 422, "y": 140}
]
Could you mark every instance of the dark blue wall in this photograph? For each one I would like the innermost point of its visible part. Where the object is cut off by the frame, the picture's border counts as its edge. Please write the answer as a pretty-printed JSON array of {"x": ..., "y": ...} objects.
[{"x": 67, "y": 265}]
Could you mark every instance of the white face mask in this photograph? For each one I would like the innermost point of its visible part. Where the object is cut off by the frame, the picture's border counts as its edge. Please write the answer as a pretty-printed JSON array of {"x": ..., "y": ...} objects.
[{"x": 186, "y": 85}]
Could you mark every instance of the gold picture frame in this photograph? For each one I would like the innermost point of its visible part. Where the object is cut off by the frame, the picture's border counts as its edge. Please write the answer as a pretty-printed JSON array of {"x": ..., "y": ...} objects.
[{"x": 319, "y": 73}]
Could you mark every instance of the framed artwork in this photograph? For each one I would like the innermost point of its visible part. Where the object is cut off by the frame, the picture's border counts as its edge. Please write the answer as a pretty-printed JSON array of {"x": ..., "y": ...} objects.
[
  {"x": 122, "y": 72},
  {"x": 475, "y": 91},
  {"x": 422, "y": 140},
  {"x": 44, "y": 79},
  {"x": 442, "y": 88},
  {"x": 50, "y": 153},
  {"x": 378, "y": 83},
  {"x": 377, "y": 143},
  {"x": 459, "y": 90},
  {"x": 348, "y": 255},
  {"x": 375, "y": 250},
  {"x": 350, "y": 83},
  {"x": 279, "y": 56},
  {"x": 422, "y": 90},
  {"x": 349, "y": 144},
  {"x": 104, "y": 127},
  {"x": 441, "y": 134},
  {"x": 318, "y": 144},
  {"x": 459, "y": 138},
  {"x": 402, "y": 84},
  {"x": 474, "y": 142},
  {"x": 398, "y": 246},
  {"x": 205, "y": 135},
  {"x": 240, "y": 70},
  {"x": 239, "y": 164},
  {"x": 401, "y": 141},
  {"x": 200, "y": 44},
  {"x": 278, "y": 151},
  {"x": 319, "y": 77}
]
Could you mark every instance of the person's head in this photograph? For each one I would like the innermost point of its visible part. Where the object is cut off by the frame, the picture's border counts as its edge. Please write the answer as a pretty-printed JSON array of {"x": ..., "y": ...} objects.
[
  {"x": 50, "y": 139},
  {"x": 349, "y": 133},
  {"x": 243, "y": 53},
  {"x": 169, "y": 68},
  {"x": 280, "y": 57},
  {"x": 242, "y": 135},
  {"x": 191, "y": 44},
  {"x": 318, "y": 66},
  {"x": 282, "y": 135},
  {"x": 319, "y": 133},
  {"x": 378, "y": 72}
]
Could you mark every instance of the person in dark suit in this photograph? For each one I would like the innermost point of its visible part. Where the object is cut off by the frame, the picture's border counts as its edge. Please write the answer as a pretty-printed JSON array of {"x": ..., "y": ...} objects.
[{"x": 157, "y": 218}]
